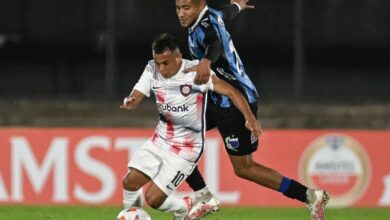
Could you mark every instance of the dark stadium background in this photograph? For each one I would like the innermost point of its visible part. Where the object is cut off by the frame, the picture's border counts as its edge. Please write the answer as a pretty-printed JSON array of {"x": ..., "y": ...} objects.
[{"x": 316, "y": 63}]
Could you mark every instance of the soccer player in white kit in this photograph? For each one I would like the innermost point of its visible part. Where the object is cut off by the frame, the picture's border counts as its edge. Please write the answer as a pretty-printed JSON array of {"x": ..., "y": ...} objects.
[{"x": 177, "y": 144}]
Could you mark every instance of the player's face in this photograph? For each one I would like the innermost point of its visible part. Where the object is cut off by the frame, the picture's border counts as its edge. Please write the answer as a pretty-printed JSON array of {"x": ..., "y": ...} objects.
[
  {"x": 188, "y": 11},
  {"x": 168, "y": 62}
]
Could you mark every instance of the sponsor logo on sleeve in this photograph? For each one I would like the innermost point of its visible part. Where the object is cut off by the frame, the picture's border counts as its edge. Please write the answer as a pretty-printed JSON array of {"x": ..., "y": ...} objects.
[{"x": 205, "y": 23}]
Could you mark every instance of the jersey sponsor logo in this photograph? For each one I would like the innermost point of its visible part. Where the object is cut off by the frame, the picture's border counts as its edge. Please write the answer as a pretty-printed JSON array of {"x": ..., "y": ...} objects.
[
  {"x": 170, "y": 108},
  {"x": 185, "y": 89},
  {"x": 204, "y": 22},
  {"x": 156, "y": 87},
  {"x": 339, "y": 164},
  {"x": 232, "y": 143},
  {"x": 225, "y": 74}
]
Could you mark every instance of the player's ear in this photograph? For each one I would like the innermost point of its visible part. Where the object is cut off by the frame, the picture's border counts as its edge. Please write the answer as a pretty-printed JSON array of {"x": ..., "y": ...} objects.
[
  {"x": 202, "y": 3},
  {"x": 178, "y": 57}
]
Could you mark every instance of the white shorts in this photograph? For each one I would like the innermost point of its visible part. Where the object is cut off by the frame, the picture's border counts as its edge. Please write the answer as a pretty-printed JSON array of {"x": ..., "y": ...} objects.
[{"x": 166, "y": 169}]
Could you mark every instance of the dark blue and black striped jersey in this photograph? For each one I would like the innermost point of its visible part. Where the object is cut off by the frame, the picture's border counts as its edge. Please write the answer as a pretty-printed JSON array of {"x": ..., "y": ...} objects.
[{"x": 208, "y": 28}]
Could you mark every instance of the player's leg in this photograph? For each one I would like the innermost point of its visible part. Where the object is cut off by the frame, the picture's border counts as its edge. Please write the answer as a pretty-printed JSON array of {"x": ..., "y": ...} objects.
[
  {"x": 143, "y": 167},
  {"x": 240, "y": 147},
  {"x": 158, "y": 199},
  {"x": 205, "y": 202},
  {"x": 195, "y": 179},
  {"x": 172, "y": 172},
  {"x": 246, "y": 168},
  {"x": 132, "y": 188},
  {"x": 198, "y": 185}
]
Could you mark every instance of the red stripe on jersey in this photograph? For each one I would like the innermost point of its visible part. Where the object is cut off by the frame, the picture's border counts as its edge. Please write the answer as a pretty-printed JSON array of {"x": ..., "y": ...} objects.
[
  {"x": 160, "y": 96},
  {"x": 175, "y": 149},
  {"x": 188, "y": 144},
  {"x": 170, "y": 127},
  {"x": 154, "y": 137},
  {"x": 170, "y": 133},
  {"x": 199, "y": 105}
]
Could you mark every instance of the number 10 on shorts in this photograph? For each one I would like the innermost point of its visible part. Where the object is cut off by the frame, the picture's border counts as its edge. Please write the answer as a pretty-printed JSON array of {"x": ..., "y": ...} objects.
[{"x": 177, "y": 180}]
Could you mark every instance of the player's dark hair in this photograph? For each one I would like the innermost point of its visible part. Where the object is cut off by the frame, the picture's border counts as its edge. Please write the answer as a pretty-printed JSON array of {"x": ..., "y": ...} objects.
[{"x": 163, "y": 43}]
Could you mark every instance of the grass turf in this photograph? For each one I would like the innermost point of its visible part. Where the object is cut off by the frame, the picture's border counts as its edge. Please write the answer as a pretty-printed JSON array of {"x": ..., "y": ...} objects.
[{"x": 109, "y": 213}]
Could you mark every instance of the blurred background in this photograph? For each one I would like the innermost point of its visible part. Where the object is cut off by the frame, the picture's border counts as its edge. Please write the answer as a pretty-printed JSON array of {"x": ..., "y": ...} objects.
[{"x": 316, "y": 63}]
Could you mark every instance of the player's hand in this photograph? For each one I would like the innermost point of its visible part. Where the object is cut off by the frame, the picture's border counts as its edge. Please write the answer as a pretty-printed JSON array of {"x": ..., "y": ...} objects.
[
  {"x": 243, "y": 4},
  {"x": 128, "y": 103},
  {"x": 202, "y": 71},
  {"x": 255, "y": 128}
]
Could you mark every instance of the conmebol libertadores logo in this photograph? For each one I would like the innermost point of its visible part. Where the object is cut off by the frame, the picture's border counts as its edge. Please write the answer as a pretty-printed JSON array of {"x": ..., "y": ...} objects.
[{"x": 339, "y": 164}]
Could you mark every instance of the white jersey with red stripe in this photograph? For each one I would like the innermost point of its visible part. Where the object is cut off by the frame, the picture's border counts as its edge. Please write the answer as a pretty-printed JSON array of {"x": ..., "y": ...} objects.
[{"x": 181, "y": 106}]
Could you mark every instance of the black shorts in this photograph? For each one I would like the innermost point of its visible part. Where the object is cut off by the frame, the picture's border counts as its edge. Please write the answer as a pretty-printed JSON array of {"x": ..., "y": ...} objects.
[{"x": 231, "y": 125}]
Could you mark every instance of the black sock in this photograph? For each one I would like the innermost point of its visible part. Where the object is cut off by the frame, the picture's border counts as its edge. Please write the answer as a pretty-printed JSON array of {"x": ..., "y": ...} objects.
[
  {"x": 195, "y": 180},
  {"x": 296, "y": 191}
]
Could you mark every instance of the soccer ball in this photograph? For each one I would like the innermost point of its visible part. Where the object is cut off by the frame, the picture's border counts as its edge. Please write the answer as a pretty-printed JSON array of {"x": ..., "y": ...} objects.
[{"x": 133, "y": 213}]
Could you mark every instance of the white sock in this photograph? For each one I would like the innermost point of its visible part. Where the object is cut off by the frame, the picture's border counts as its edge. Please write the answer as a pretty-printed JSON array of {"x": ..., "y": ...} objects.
[
  {"x": 173, "y": 204},
  {"x": 203, "y": 193},
  {"x": 132, "y": 198}
]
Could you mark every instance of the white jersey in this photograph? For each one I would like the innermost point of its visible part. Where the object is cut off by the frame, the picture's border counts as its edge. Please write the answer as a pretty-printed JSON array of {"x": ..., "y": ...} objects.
[{"x": 181, "y": 106}]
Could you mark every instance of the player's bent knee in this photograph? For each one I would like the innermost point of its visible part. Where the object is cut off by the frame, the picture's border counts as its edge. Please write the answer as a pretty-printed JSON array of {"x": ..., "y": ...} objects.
[
  {"x": 242, "y": 170},
  {"x": 130, "y": 185},
  {"x": 153, "y": 200}
]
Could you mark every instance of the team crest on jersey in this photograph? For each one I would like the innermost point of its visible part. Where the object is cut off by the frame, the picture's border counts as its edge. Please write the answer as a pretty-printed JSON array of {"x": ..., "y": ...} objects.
[
  {"x": 185, "y": 89},
  {"x": 232, "y": 143}
]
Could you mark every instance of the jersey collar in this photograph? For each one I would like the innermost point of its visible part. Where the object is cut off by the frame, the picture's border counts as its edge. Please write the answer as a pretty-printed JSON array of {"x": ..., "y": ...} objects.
[{"x": 199, "y": 18}]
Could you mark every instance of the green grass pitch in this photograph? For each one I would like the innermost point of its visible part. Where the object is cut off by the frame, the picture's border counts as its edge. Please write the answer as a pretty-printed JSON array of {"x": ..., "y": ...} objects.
[{"x": 109, "y": 213}]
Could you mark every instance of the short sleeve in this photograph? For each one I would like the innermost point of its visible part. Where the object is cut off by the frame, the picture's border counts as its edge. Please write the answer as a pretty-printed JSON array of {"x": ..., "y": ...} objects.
[{"x": 144, "y": 83}]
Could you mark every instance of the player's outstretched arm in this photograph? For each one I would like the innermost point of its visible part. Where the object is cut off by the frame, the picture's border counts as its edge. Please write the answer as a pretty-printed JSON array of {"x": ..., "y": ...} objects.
[
  {"x": 223, "y": 88},
  {"x": 132, "y": 101}
]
